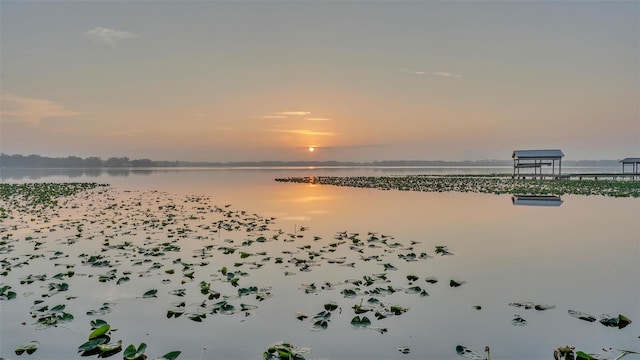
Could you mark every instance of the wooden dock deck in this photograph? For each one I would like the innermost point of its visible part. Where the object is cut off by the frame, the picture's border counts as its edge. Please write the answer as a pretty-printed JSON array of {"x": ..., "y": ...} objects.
[{"x": 580, "y": 176}]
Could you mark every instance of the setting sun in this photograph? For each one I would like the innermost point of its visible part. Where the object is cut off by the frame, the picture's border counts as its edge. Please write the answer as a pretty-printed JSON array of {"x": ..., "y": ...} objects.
[{"x": 312, "y": 149}]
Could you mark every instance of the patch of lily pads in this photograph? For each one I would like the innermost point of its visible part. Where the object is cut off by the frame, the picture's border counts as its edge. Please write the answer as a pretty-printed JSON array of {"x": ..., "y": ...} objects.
[
  {"x": 99, "y": 343},
  {"x": 115, "y": 239},
  {"x": 494, "y": 184}
]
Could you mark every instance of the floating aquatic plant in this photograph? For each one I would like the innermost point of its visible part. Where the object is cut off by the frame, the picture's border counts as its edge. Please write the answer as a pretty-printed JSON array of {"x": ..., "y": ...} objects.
[
  {"x": 119, "y": 244},
  {"x": 582, "y": 316},
  {"x": 493, "y": 184},
  {"x": 29, "y": 348},
  {"x": 518, "y": 321},
  {"x": 133, "y": 353},
  {"x": 50, "y": 317},
  {"x": 150, "y": 293},
  {"x": 6, "y": 294},
  {"x": 619, "y": 321},
  {"x": 467, "y": 353},
  {"x": 360, "y": 322},
  {"x": 564, "y": 353},
  {"x": 283, "y": 350}
]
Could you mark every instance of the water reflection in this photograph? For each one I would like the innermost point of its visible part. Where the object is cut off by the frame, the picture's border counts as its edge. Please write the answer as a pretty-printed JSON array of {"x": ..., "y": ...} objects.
[
  {"x": 562, "y": 263},
  {"x": 37, "y": 174},
  {"x": 536, "y": 200}
]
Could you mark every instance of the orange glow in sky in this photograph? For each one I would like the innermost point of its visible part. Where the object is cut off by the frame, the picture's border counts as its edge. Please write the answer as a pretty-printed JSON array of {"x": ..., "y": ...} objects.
[{"x": 220, "y": 81}]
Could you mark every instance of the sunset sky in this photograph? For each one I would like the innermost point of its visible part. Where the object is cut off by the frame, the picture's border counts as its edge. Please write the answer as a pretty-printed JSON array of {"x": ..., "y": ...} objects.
[{"x": 359, "y": 81}]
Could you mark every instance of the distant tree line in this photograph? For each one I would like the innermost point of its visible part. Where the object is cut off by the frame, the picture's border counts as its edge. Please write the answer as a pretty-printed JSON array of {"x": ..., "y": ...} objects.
[{"x": 37, "y": 161}]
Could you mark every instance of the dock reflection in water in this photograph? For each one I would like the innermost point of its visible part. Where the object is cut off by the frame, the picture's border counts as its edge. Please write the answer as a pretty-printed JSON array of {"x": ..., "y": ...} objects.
[{"x": 536, "y": 200}]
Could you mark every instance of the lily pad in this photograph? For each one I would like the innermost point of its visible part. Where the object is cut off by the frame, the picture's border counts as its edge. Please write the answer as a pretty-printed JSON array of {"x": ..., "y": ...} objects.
[
  {"x": 283, "y": 350},
  {"x": 518, "y": 321},
  {"x": 100, "y": 331},
  {"x": 92, "y": 344},
  {"x": 150, "y": 293},
  {"x": 131, "y": 353},
  {"x": 620, "y": 321},
  {"x": 29, "y": 347},
  {"x": 330, "y": 306},
  {"x": 320, "y": 325},
  {"x": 173, "y": 355},
  {"x": 111, "y": 347},
  {"x": 5, "y": 294},
  {"x": 580, "y": 355},
  {"x": 467, "y": 353},
  {"x": 360, "y": 322},
  {"x": 582, "y": 316}
]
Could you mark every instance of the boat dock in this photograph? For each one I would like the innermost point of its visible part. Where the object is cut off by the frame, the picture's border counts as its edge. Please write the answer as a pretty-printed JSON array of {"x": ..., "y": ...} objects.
[{"x": 581, "y": 176}]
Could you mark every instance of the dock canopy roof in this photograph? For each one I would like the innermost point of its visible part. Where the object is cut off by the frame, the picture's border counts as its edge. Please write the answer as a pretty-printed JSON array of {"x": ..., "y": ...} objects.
[
  {"x": 630, "y": 160},
  {"x": 537, "y": 154}
]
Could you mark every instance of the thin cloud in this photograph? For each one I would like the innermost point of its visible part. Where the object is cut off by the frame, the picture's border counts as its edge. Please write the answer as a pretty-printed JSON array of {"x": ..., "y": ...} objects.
[
  {"x": 317, "y": 119},
  {"x": 435, "y": 73},
  {"x": 32, "y": 111},
  {"x": 446, "y": 74},
  {"x": 273, "y": 117},
  {"x": 108, "y": 36},
  {"x": 303, "y": 132},
  {"x": 293, "y": 113}
]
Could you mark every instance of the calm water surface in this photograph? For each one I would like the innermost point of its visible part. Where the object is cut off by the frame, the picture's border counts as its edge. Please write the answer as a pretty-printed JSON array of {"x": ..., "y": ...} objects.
[{"x": 582, "y": 255}]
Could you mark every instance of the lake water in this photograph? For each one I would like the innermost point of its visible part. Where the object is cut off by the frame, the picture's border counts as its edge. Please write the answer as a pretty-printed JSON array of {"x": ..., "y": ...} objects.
[{"x": 583, "y": 255}]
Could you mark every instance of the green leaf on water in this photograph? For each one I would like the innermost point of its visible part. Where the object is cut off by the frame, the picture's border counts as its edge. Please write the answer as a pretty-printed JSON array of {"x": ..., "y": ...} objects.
[
  {"x": 131, "y": 353},
  {"x": 97, "y": 323},
  {"x": 330, "y": 306},
  {"x": 92, "y": 344},
  {"x": 320, "y": 325},
  {"x": 283, "y": 350},
  {"x": 623, "y": 321},
  {"x": 196, "y": 317},
  {"x": 323, "y": 315},
  {"x": 349, "y": 293},
  {"x": 413, "y": 290},
  {"x": 360, "y": 322},
  {"x": 100, "y": 331},
  {"x": 389, "y": 267},
  {"x": 582, "y": 316},
  {"x": 169, "y": 356},
  {"x": 8, "y": 296},
  {"x": 150, "y": 293},
  {"x": 57, "y": 308},
  {"x": 29, "y": 347},
  {"x": 116, "y": 346},
  {"x": 467, "y": 353},
  {"x": 580, "y": 355}
]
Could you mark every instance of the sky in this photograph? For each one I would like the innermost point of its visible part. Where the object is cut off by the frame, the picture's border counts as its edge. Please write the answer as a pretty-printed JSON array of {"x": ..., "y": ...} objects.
[{"x": 356, "y": 80}]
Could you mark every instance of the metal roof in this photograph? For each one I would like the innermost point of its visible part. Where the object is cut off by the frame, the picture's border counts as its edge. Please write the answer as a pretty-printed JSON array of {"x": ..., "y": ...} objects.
[
  {"x": 537, "y": 154},
  {"x": 630, "y": 160}
]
